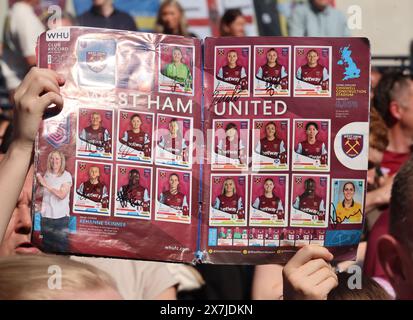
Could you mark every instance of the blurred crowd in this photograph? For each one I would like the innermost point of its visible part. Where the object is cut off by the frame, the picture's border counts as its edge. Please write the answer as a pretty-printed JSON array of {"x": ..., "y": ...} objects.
[{"x": 385, "y": 254}]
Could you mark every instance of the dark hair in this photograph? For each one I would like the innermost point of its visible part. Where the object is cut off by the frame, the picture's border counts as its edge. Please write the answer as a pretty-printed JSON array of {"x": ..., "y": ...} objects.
[
  {"x": 268, "y": 179},
  {"x": 271, "y": 122},
  {"x": 349, "y": 182},
  {"x": 174, "y": 174},
  {"x": 133, "y": 171},
  {"x": 370, "y": 289},
  {"x": 229, "y": 17},
  {"x": 135, "y": 115},
  {"x": 389, "y": 89},
  {"x": 400, "y": 221},
  {"x": 306, "y": 183},
  {"x": 230, "y": 126},
  {"x": 311, "y": 124}
]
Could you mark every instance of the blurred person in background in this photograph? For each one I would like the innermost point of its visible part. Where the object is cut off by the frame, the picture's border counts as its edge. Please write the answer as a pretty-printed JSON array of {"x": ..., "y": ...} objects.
[
  {"x": 375, "y": 76},
  {"x": 317, "y": 18},
  {"x": 51, "y": 21},
  {"x": 395, "y": 245},
  {"x": 22, "y": 27},
  {"x": 378, "y": 142},
  {"x": 232, "y": 24},
  {"x": 171, "y": 19},
  {"x": 103, "y": 14},
  {"x": 393, "y": 99}
]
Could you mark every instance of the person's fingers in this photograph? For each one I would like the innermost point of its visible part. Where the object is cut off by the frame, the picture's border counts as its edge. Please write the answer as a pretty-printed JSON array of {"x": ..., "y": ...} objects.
[
  {"x": 38, "y": 75},
  {"x": 51, "y": 98},
  {"x": 326, "y": 286},
  {"x": 321, "y": 275},
  {"x": 308, "y": 253},
  {"x": 44, "y": 85},
  {"x": 312, "y": 266},
  {"x": 52, "y": 75}
]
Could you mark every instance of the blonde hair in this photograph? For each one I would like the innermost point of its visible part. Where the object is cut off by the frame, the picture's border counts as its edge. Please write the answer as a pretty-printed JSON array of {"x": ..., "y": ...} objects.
[
  {"x": 27, "y": 277},
  {"x": 62, "y": 162},
  {"x": 183, "y": 25},
  {"x": 90, "y": 169},
  {"x": 223, "y": 186}
]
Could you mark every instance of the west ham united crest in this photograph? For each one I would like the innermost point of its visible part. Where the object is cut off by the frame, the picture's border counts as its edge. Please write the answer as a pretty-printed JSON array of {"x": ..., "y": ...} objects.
[
  {"x": 352, "y": 144},
  {"x": 96, "y": 60}
]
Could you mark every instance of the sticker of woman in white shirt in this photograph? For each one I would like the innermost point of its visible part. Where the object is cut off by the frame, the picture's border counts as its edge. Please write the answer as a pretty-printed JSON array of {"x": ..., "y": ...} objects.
[{"x": 56, "y": 183}]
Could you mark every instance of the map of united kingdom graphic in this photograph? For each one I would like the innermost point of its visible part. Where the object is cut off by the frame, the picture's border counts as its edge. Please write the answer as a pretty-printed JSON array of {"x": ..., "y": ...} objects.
[{"x": 351, "y": 70}]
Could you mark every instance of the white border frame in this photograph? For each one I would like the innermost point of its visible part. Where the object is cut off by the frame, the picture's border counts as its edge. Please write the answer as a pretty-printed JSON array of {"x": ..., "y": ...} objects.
[
  {"x": 249, "y": 69},
  {"x": 109, "y": 214},
  {"x": 193, "y": 68},
  {"x": 213, "y": 145},
  {"x": 156, "y": 196},
  {"x": 190, "y": 142},
  {"x": 254, "y": 94},
  {"x": 293, "y": 153},
  {"x": 286, "y": 204},
  {"x": 327, "y": 201},
  {"x": 130, "y": 112},
  {"x": 78, "y": 141},
  {"x": 330, "y": 71},
  {"x": 115, "y": 214},
  {"x": 254, "y": 143},
  {"x": 246, "y": 176},
  {"x": 363, "y": 213}
]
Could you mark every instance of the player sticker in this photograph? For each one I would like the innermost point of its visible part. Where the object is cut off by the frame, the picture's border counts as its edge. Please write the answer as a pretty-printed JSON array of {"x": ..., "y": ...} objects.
[
  {"x": 93, "y": 185},
  {"x": 271, "y": 237},
  {"x": 287, "y": 237},
  {"x": 268, "y": 205},
  {"x": 312, "y": 76},
  {"x": 96, "y": 62},
  {"x": 347, "y": 201},
  {"x": 303, "y": 236},
  {"x": 270, "y": 140},
  {"x": 94, "y": 128},
  {"x": 311, "y": 145},
  {"x": 135, "y": 65},
  {"x": 224, "y": 236},
  {"x": 133, "y": 192},
  {"x": 272, "y": 71},
  {"x": 176, "y": 69},
  {"x": 228, "y": 198},
  {"x": 309, "y": 200},
  {"x": 135, "y": 136},
  {"x": 256, "y": 237},
  {"x": 173, "y": 196},
  {"x": 232, "y": 65},
  {"x": 318, "y": 237},
  {"x": 230, "y": 144},
  {"x": 240, "y": 237},
  {"x": 173, "y": 141}
]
